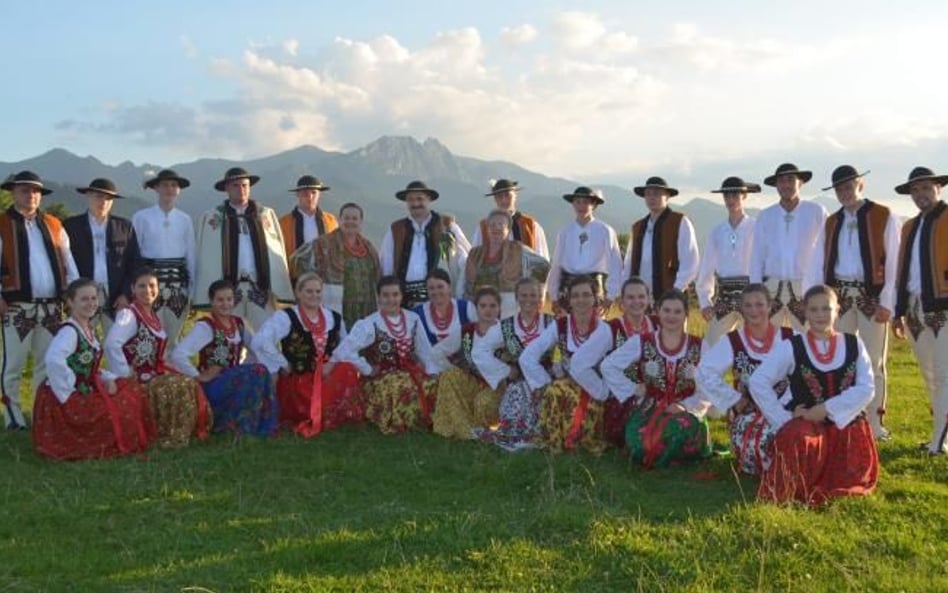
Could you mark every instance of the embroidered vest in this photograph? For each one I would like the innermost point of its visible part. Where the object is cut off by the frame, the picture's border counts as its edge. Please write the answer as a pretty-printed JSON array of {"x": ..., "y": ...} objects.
[
  {"x": 871, "y": 219},
  {"x": 84, "y": 362},
  {"x": 462, "y": 358},
  {"x": 437, "y": 241},
  {"x": 665, "y": 381},
  {"x": 745, "y": 364},
  {"x": 664, "y": 249},
  {"x": 514, "y": 346},
  {"x": 292, "y": 227},
  {"x": 298, "y": 346},
  {"x": 145, "y": 351},
  {"x": 460, "y": 309},
  {"x": 222, "y": 351},
  {"x": 15, "y": 260},
  {"x": 811, "y": 386},
  {"x": 522, "y": 230},
  {"x": 933, "y": 251},
  {"x": 382, "y": 353}
]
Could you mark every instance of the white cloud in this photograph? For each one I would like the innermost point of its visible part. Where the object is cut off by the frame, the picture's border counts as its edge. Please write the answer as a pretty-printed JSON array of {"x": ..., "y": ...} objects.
[
  {"x": 518, "y": 36},
  {"x": 291, "y": 47},
  {"x": 575, "y": 30},
  {"x": 190, "y": 50}
]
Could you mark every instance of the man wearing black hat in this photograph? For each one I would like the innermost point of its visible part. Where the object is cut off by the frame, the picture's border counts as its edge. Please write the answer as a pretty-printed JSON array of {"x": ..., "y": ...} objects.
[
  {"x": 415, "y": 245},
  {"x": 585, "y": 246},
  {"x": 241, "y": 241},
  {"x": 856, "y": 254},
  {"x": 307, "y": 221},
  {"x": 105, "y": 248},
  {"x": 922, "y": 293},
  {"x": 524, "y": 228},
  {"x": 166, "y": 243},
  {"x": 725, "y": 263},
  {"x": 35, "y": 267},
  {"x": 784, "y": 241},
  {"x": 662, "y": 248}
]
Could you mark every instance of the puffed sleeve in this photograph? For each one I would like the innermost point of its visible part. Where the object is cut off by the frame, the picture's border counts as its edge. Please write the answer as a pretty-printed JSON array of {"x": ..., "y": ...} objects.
[
  {"x": 265, "y": 344},
  {"x": 614, "y": 365},
  {"x": 844, "y": 408},
  {"x": 422, "y": 345},
  {"x": 710, "y": 376},
  {"x": 121, "y": 331},
  {"x": 687, "y": 254},
  {"x": 614, "y": 266},
  {"x": 62, "y": 379},
  {"x": 199, "y": 337},
  {"x": 72, "y": 272},
  {"x": 361, "y": 336},
  {"x": 775, "y": 367},
  {"x": 704, "y": 286},
  {"x": 582, "y": 366},
  {"x": 485, "y": 359},
  {"x": 533, "y": 371}
]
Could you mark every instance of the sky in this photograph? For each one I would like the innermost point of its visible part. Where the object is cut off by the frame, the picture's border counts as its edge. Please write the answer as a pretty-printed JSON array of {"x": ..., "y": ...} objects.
[{"x": 608, "y": 91}]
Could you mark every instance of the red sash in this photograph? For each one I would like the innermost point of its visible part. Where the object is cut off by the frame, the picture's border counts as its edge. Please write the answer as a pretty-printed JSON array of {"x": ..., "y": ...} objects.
[{"x": 579, "y": 415}]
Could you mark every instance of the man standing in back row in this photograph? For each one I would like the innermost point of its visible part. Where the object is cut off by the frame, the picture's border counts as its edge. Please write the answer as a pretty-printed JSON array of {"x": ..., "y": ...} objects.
[
  {"x": 856, "y": 254},
  {"x": 524, "y": 228},
  {"x": 784, "y": 242},
  {"x": 307, "y": 221}
]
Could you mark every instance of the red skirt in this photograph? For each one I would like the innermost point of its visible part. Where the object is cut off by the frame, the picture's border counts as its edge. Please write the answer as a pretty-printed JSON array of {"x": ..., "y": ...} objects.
[
  {"x": 615, "y": 417},
  {"x": 815, "y": 462},
  {"x": 92, "y": 426},
  {"x": 340, "y": 396}
]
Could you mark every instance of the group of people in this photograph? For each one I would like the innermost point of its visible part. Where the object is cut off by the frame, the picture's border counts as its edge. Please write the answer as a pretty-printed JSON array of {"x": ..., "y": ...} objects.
[{"x": 434, "y": 332}]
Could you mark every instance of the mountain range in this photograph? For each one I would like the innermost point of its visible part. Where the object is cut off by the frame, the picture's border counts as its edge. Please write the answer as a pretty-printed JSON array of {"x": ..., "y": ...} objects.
[{"x": 370, "y": 176}]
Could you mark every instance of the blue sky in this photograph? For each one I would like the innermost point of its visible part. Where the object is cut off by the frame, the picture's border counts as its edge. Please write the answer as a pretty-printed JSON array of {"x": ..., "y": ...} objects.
[{"x": 611, "y": 91}]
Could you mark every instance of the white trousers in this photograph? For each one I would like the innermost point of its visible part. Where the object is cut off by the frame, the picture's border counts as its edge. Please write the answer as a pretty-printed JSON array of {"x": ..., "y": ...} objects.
[
  {"x": 28, "y": 327},
  {"x": 932, "y": 353}
]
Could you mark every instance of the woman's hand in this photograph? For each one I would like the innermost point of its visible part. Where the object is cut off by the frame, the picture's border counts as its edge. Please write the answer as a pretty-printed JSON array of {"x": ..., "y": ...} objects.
[
  {"x": 816, "y": 414},
  {"x": 210, "y": 373},
  {"x": 327, "y": 368},
  {"x": 675, "y": 408},
  {"x": 111, "y": 387}
]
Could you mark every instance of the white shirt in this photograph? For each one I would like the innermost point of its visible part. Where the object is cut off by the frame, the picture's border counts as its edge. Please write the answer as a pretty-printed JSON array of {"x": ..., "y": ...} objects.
[
  {"x": 541, "y": 249},
  {"x": 841, "y": 409},
  {"x": 584, "y": 249},
  {"x": 42, "y": 276},
  {"x": 125, "y": 326},
  {"x": 310, "y": 230},
  {"x": 266, "y": 343},
  {"x": 484, "y": 355},
  {"x": 715, "y": 363},
  {"x": 201, "y": 335},
  {"x": 688, "y": 259},
  {"x": 727, "y": 253},
  {"x": 582, "y": 364},
  {"x": 914, "y": 284},
  {"x": 417, "y": 269},
  {"x": 246, "y": 264},
  {"x": 363, "y": 335},
  {"x": 100, "y": 266},
  {"x": 849, "y": 256},
  {"x": 629, "y": 353},
  {"x": 784, "y": 241},
  {"x": 166, "y": 235},
  {"x": 62, "y": 379}
]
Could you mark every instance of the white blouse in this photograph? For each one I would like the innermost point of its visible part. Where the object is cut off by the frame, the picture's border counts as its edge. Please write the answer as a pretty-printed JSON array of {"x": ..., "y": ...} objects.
[
  {"x": 841, "y": 409},
  {"x": 124, "y": 328},
  {"x": 201, "y": 335},
  {"x": 265, "y": 345},
  {"x": 582, "y": 364},
  {"x": 363, "y": 335},
  {"x": 614, "y": 366},
  {"x": 62, "y": 379},
  {"x": 484, "y": 355},
  {"x": 715, "y": 363}
]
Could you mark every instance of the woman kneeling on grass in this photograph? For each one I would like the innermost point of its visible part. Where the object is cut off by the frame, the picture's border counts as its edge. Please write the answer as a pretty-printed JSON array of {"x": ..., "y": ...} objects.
[
  {"x": 497, "y": 356},
  {"x": 465, "y": 400},
  {"x": 135, "y": 347},
  {"x": 824, "y": 446},
  {"x": 667, "y": 424},
  {"x": 314, "y": 392},
  {"x": 82, "y": 412},
  {"x": 241, "y": 395},
  {"x": 571, "y": 404},
  {"x": 392, "y": 352},
  {"x": 741, "y": 353}
]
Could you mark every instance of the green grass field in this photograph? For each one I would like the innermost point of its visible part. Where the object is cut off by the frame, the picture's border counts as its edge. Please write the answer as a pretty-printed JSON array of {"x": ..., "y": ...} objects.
[{"x": 355, "y": 511}]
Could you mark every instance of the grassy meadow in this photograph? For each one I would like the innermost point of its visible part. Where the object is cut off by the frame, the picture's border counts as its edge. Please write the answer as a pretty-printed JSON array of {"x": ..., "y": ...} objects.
[{"x": 355, "y": 511}]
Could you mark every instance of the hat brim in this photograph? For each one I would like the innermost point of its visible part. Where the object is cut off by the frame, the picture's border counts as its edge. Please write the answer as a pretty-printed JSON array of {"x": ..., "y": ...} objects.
[
  {"x": 845, "y": 180},
  {"x": 151, "y": 183},
  {"x": 319, "y": 187},
  {"x": 750, "y": 188},
  {"x": 497, "y": 191},
  {"x": 9, "y": 185},
  {"x": 220, "y": 185},
  {"x": 401, "y": 195},
  {"x": 804, "y": 176},
  {"x": 570, "y": 197},
  {"x": 906, "y": 188},
  {"x": 110, "y": 194},
  {"x": 640, "y": 191}
]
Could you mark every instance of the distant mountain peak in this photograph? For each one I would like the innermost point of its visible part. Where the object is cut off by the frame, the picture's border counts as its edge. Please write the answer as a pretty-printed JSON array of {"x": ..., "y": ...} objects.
[{"x": 405, "y": 156}]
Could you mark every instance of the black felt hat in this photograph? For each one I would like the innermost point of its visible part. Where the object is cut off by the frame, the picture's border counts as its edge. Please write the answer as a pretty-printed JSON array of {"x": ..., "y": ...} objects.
[
  {"x": 25, "y": 178},
  {"x": 656, "y": 183},
  {"x": 102, "y": 186},
  {"x": 502, "y": 185},
  {"x": 788, "y": 169},
  {"x": 920, "y": 174},
  {"x": 309, "y": 182},
  {"x": 585, "y": 192},
  {"x": 844, "y": 173},
  {"x": 416, "y": 186},
  {"x": 166, "y": 174},
  {"x": 736, "y": 184},
  {"x": 235, "y": 173}
]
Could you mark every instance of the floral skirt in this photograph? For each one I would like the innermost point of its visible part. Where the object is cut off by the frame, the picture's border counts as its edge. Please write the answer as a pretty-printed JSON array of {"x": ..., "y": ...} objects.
[
  {"x": 752, "y": 440},
  {"x": 398, "y": 401},
  {"x": 464, "y": 403},
  {"x": 91, "y": 426},
  {"x": 570, "y": 418},
  {"x": 180, "y": 409},
  {"x": 242, "y": 400},
  {"x": 340, "y": 401},
  {"x": 658, "y": 439},
  {"x": 519, "y": 419},
  {"x": 813, "y": 462}
]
